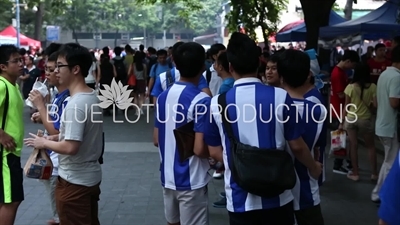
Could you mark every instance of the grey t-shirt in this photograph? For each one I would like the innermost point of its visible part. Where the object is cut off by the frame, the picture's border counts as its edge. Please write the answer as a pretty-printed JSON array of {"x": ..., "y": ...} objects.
[{"x": 81, "y": 121}]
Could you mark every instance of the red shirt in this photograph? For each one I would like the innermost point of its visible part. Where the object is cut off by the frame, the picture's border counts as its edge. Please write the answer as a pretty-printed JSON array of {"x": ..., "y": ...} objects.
[
  {"x": 339, "y": 81},
  {"x": 377, "y": 68}
]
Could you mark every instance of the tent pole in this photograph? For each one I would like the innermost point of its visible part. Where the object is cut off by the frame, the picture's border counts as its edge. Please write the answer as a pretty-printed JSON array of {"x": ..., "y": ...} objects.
[{"x": 18, "y": 25}]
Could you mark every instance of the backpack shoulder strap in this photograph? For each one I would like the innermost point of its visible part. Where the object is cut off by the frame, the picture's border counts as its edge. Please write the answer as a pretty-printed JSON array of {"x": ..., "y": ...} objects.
[
  {"x": 208, "y": 76},
  {"x": 169, "y": 78},
  {"x": 225, "y": 116},
  {"x": 5, "y": 110}
]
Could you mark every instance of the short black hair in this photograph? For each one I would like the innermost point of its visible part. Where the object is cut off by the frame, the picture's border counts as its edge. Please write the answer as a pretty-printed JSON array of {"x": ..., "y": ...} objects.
[
  {"x": 243, "y": 54},
  {"x": 274, "y": 58},
  {"x": 215, "y": 48},
  {"x": 189, "y": 59},
  {"x": 350, "y": 55},
  {"x": 117, "y": 51},
  {"x": 106, "y": 50},
  {"x": 294, "y": 67},
  {"x": 396, "y": 54},
  {"x": 22, "y": 51},
  {"x": 222, "y": 59},
  {"x": 53, "y": 57},
  {"x": 379, "y": 45},
  {"x": 162, "y": 52},
  {"x": 6, "y": 51},
  {"x": 76, "y": 55},
  {"x": 152, "y": 50},
  {"x": 53, "y": 47},
  {"x": 175, "y": 48},
  {"x": 141, "y": 47}
]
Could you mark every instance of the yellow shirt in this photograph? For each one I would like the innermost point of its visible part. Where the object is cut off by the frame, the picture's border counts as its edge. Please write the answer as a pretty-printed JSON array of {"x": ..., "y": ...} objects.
[
  {"x": 14, "y": 120},
  {"x": 360, "y": 105}
]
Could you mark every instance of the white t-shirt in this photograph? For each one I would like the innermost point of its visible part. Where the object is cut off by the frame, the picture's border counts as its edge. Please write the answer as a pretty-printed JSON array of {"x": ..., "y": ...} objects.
[
  {"x": 215, "y": 82},
  {"x": 90, "y": 78}
]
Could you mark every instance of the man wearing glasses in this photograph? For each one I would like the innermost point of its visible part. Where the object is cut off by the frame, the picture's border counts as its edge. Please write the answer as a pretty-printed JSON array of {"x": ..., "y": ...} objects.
[
  {"x": 50, "y": 118},
  {"x": 11, "y": 134},
  {"x": 79, "y": 143}
]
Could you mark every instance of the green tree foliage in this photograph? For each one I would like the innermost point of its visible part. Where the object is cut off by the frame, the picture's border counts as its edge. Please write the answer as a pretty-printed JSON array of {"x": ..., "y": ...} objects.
[{"x": 256, "y": 13}]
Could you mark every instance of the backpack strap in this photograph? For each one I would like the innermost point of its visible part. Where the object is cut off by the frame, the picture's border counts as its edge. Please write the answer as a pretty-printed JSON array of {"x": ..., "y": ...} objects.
[
  {"x": 169, "y": 78},
  {"x": 5, "y": 110},
  {"x": 224, "y": 116},
  {"x": 208, "y": 76}
]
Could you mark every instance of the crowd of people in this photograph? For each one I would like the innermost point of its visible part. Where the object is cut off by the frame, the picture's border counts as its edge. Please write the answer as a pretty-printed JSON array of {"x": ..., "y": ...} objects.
[{"x": 194, "y": 89}]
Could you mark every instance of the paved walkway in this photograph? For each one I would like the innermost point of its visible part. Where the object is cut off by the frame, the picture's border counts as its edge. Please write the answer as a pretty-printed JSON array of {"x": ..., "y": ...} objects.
[{"x": 131, "y": 190}]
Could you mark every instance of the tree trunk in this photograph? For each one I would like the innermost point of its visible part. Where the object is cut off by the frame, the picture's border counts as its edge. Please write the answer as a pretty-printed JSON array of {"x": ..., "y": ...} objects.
[
  {"x": 316, "y": 15},
  {"x": 75, "y": 36},
  {"x": 348, "y": 9},
  {"x": 39, "y": 21}
]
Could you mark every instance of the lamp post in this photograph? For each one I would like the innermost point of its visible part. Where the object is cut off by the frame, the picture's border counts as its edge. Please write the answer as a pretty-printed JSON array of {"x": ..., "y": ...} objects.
[
  {"x": 17, "y": 20},
  {"x": 144, "y": 34},
  {"x": 161, "y": 17}
]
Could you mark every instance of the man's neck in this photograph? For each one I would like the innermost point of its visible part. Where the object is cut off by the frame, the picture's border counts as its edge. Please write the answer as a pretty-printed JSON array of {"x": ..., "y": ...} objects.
[
  {"x": 9, "y": 78},
  {"x": 298, "y": 92},
  {"x": 379, "y": 59},
  {"x": 396, "y": 65},
  {"x": 194, "y": 80},
  {"x": 79, "y": 86},
  {"x": 225, "y": 76},
  {"x": 250, "y": 75},
  {"x": 61, "y": 88}
]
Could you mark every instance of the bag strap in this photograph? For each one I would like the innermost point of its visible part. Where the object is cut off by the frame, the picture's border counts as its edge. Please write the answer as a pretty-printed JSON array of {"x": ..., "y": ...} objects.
[
  {"x": 225, "y": 117},
  {"x": 169, "y": 78},
  {"x": 208, "y": 76},
  {"x": 5, "y": 110}
]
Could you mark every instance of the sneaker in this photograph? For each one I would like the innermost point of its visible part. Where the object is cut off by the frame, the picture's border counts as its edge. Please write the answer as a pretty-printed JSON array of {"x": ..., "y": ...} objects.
[
  {"x": 220, "y": 204},
  {"x": 222, "y": 194},
  {"x": 217, "y": 175},
  {"x": 341, "y": 170}
]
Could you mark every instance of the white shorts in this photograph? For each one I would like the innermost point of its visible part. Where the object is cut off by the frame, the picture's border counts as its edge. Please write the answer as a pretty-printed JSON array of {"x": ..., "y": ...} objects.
[{"x": 186, "y": 207}]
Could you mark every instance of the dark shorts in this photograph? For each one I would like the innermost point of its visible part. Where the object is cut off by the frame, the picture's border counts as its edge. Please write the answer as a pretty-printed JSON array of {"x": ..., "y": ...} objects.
[
  {"x": 310, "y": 216},
  {"x": 11, "y": 173},
  {"x": 277, "y": 216},
  {"x": 77, "y": 204},
  {"x": 140, "y": 87}
]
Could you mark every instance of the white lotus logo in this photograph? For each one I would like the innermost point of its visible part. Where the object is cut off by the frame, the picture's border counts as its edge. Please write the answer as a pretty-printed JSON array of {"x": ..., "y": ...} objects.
[{"x": 117, "y": 95}]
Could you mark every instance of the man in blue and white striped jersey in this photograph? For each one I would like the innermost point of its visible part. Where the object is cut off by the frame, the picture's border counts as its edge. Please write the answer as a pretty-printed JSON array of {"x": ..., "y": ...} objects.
[
  {"x": 268, "y": 125},
  {"x": 184, "y": 183},
  {"x": 294, "y": 68}
]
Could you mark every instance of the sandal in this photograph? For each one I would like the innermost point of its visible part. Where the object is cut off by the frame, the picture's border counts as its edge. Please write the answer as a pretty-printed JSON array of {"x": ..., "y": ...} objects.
[{"x": 353, "y": 177}]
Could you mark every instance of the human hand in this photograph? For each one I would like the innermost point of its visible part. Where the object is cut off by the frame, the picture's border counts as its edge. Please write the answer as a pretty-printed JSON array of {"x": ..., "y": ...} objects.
[
  {"x": 316, "y": 172},
  {"x": 36, "y": 98},
  {"x": 36, "y": 117},
  {"x": 381, "y": 222},
  {"x": 7, "y": 141},
  {"x": 35, "y": 141}
]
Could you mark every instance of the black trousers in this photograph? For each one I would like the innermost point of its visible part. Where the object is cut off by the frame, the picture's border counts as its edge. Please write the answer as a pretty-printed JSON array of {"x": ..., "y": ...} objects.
[
  {"x": 278, "y": 216},
  {"x": 310, "y": 216}
]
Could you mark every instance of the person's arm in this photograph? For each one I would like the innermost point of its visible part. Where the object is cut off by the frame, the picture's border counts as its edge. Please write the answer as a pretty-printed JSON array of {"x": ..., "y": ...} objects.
[
  {"x": 145, "y": 72},
  {"x": 390, "y": 196},
  {"x": 152, "y": 79},
  {"x": 203, "y": 86},
  {"x": 200, "y": 118},
  {"x": 156, "y": 125},
  {"x": 347, "y": 96},
  {"x": 98, "y": 74},
  {"x": 394, "y": 92},
  {"x": 157, "y": 89},
  {"x": 114, "y": 71},
  {"x": 5, "y": 139},
  {"x": 74, "y": 131},
  {"x": 212, "y": 136},
  {"x": 293, "y": 129}
]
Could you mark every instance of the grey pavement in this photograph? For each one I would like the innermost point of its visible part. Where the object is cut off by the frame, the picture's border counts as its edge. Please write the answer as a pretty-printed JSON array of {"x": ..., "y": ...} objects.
[{"x": 132, "y": 194}]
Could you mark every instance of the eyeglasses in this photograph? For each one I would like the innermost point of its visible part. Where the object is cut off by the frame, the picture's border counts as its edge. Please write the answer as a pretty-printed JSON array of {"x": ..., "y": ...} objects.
[
  {"x": 49, "y": 70},
  {"x": 17, "y": 60},
  {"x": 60, "y": 66}
]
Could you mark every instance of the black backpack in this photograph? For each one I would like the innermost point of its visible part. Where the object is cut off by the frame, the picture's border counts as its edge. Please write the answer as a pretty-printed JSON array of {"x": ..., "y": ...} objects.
[{"x": 122, "y": 74}]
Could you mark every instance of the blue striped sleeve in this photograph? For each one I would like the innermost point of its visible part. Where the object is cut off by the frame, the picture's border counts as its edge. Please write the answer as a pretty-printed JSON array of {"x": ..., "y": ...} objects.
[
  {"x": 202, "y": 83},
  {"x": 389, "y": 211},
  {"x": 293, "y": 128},
  {"x": 200, "y": 117},
  {"x": 157, "y": 88}
]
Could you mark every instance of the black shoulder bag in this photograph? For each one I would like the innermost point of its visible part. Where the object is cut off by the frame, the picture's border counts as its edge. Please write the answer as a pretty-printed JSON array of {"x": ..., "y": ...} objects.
[
  {"x": 263, "y": 172},
  {"x": 168, "y": 76},
  {"x": 5, "y": 110}
]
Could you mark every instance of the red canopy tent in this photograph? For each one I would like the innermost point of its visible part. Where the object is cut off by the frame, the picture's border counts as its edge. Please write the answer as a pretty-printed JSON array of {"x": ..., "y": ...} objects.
[
  {"x": 289, "y": 26},
  {"x": 10, "y": 31}
]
